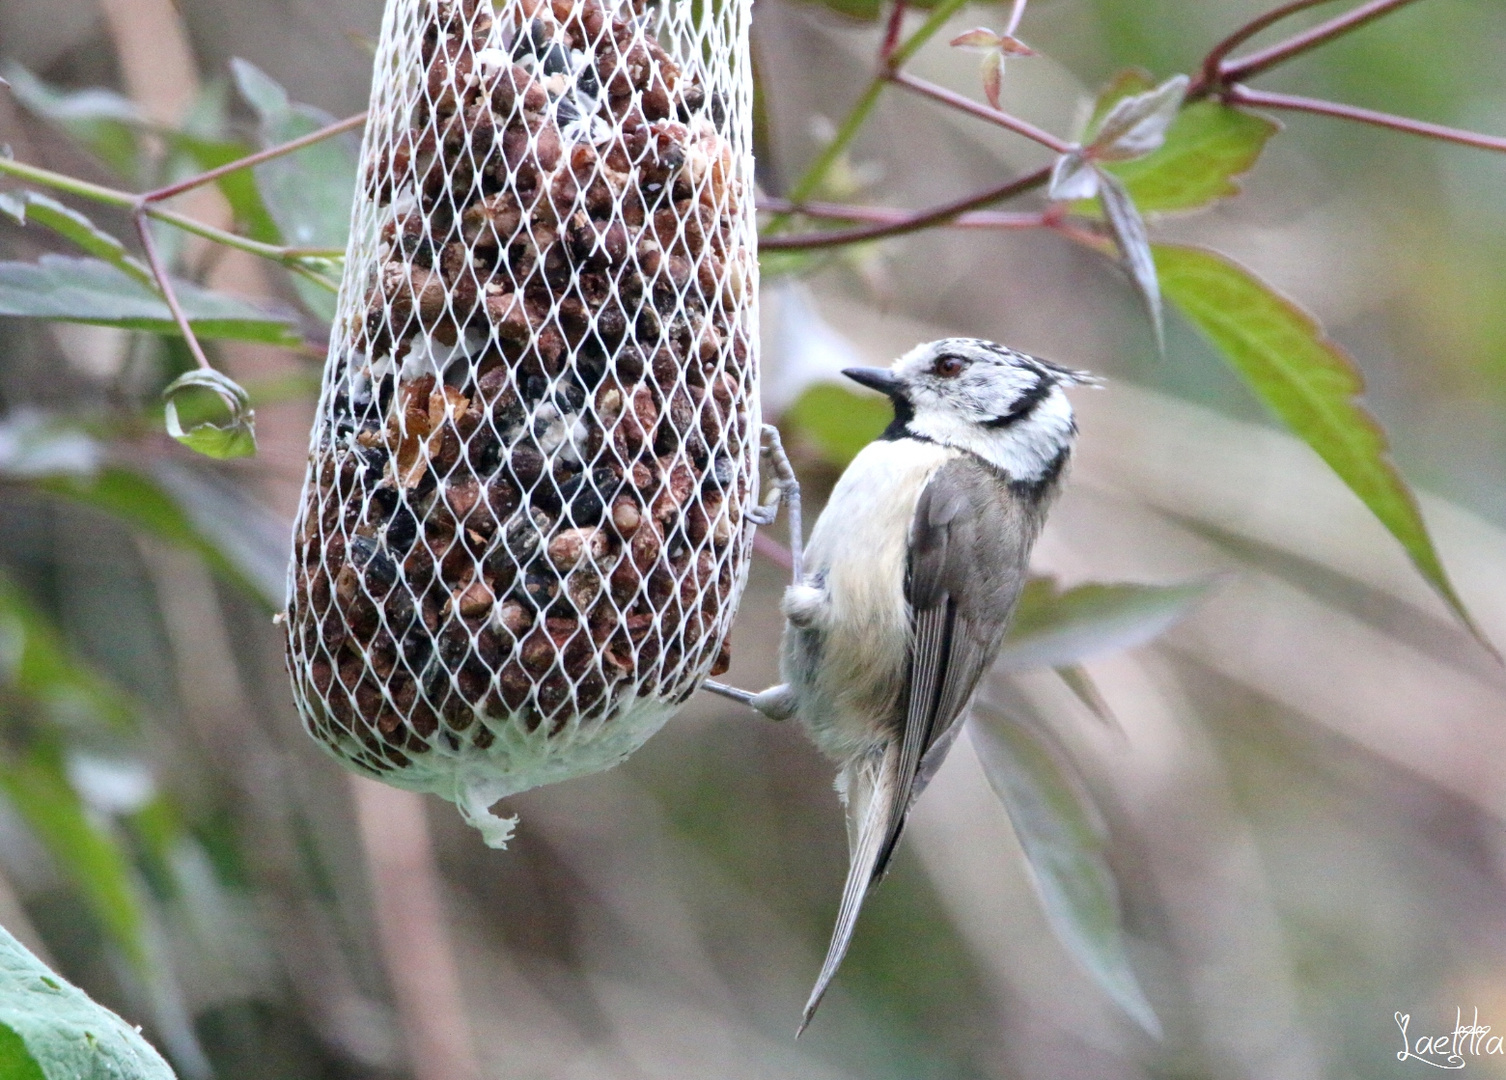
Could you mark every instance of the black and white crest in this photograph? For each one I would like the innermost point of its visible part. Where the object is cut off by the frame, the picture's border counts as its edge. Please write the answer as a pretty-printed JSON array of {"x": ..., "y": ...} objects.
[{"x": 1006, "y": 407}]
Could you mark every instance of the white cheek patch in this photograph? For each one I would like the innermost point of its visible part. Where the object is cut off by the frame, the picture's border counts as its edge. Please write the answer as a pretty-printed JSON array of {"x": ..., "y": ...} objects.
[{"x": 1025, "y": 449}]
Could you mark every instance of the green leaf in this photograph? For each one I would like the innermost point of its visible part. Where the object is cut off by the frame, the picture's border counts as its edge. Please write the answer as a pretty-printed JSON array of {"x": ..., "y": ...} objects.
[
  {"x": 92, "y": 291},
  {"x": 1056, "y": 628},
  {"x": 16, "y": 1062},
  {"x": 1064, "y": 845},
  {"x": 35, "y": 663},
  {"x": 50, "y": 1029},
  {"x": 310, "y": 193},
  {"x": 237, "y": 538},
  {"x": 1208, "y": 147},
  {"x": 839, "y": 422},
  {"x": 234, "y": 438},
  {"x": 1282, "y": 354},
  {"x": 102, "y": 121},
  {"x": 31, "y": 206},
  {"x": 88, "y": 852}
]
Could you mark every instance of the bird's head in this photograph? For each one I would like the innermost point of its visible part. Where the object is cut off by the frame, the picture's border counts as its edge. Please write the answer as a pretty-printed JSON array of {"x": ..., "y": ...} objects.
[{"x": 974, "y": 395}]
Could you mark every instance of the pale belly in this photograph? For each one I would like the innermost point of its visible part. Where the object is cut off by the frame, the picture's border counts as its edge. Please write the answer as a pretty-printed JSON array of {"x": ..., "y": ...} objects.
[{"x": 848, "y": 668}]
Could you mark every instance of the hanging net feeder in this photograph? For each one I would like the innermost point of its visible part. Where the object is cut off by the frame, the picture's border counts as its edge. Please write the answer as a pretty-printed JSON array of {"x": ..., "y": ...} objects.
[{"x": 533, "y": 475}]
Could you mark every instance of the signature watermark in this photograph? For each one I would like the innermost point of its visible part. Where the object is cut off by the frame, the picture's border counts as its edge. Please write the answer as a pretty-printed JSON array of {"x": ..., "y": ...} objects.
[{"x": 1453, "y": 1049}]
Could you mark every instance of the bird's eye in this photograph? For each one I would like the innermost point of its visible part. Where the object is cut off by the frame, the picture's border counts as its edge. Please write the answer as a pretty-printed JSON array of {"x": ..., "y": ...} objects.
[{"x": 949, "y": 367}]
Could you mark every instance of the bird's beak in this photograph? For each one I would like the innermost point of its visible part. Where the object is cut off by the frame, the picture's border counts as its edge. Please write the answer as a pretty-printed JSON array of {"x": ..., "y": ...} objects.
[{"x": 881, "y": 379}]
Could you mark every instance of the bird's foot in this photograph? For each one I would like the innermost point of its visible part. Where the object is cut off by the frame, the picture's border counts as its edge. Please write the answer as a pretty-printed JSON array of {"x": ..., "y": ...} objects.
[
  {"x": 784, "y": 488},
  {"x": 777, "y": 702}
]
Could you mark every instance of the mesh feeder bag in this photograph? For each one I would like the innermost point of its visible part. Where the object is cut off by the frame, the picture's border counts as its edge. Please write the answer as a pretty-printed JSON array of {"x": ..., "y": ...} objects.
[{"x": 525, "y": 526}]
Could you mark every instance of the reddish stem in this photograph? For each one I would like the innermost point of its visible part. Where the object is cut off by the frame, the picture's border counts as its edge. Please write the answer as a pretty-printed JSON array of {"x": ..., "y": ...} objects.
[
  {"x": 912, "y": 222},
  {"x": 889, "y": 215},
  {"x": 1243, "y": 95},
  {"x": 169, "y": 294},
  {"x": 350, "y": 123},
  {"x": 1213, "y": 62},
  {"x": 983, "y": 112},
  {"x": 891, "y": 34},
  {"x": 773, "y": 550},
  {"x": 1015, "y": 15},
  {"x": 1249, "y": 66}
]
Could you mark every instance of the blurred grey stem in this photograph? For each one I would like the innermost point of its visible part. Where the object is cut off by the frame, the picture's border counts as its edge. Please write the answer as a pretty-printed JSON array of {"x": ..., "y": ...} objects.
[{"x": 407, "y": 895}]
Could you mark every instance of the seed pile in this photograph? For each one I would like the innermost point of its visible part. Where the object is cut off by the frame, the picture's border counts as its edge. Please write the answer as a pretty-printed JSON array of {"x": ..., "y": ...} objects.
[{"x": 525, "y": 506}]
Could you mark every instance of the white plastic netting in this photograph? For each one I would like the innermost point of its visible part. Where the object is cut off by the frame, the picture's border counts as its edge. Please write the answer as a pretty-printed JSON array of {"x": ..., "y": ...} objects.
[{"x": 525, "y": 527}]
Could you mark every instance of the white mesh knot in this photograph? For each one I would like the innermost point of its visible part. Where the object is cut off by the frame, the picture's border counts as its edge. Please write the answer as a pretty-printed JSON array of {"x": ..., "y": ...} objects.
[{"x": 523, "y": 534}]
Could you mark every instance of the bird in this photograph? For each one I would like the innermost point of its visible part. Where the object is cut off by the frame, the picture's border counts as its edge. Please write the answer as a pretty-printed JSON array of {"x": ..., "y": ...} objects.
[{"x": 910, "y": 579}]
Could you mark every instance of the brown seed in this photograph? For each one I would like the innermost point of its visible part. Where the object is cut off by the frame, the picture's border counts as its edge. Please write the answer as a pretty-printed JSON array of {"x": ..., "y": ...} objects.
[
  {"x": 570, "y": 547},
  {"x": 475, "y": 601},
  {"x": 514, "y": 618},
  {"x": 626, "y": 516}
]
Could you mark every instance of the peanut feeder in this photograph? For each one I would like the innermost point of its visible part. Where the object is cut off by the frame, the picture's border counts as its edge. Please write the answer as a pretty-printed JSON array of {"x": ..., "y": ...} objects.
[{"x": 525, "y": 525}]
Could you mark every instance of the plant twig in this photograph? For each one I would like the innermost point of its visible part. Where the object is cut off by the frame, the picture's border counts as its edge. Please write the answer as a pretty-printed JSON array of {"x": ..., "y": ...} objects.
[
  {"x": 1264, "y": 99},
  {"x": 911, "y": 222},
  {"x": 126, "y": 200},
  {"x": 892, "y": 31},
  {"x": 169, "y": 294},
  {"x": 1213, "y": 62},
  {"x": 1249, "y": 66},
  {"x": 339, "y": 127},
  {"x": 857, "y": 116},
  {"x": 773, "y": 550},
  {"x": 1016, "y": 13},
  {"x": 888, "y": 215},
  {"x": 960, "y": 103}
]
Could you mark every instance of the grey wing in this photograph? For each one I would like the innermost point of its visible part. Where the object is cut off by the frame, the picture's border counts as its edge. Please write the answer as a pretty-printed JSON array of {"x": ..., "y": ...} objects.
[{"x": 970, "y": 546}]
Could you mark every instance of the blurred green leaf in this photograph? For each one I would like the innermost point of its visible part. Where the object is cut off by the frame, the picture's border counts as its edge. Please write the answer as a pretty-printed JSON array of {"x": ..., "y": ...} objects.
[
  {"x": 34, "y": 445},
  {"x": 839, "y": 422},
  {"x": 1060, "y": 628},
  {"x": 50, "y": 1029},
  {"x": 778, "y": 264},
  {"x": 1064, "y": 847},
  {"x": 91, "y": 291},
  {"x": 309, "y": 194},
  {"x": 1283, "y": 355},
  {"x": 16, "y": 1062},
  {"x": 30, "y": 206},
  {"x": 237, "y": 538},
  {"x": 35, "y": 664},
  {"x": 88, "y": 852},
  {"x": 102, "y": 121},
  {"x": 1077, "y": 679},
  {"x": 235, "y": 438}
]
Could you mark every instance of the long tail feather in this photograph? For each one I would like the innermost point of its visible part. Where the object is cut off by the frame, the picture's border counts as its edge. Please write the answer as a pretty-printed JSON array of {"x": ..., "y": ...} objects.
[{"x": 877, "y": 811}]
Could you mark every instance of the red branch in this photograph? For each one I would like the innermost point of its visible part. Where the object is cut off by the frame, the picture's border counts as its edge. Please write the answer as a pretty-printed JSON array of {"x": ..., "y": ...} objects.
[
  {"x": 983, "y": 112},
  {"x": 350, "y": 123},
  {"x": 1243, "y": 95},
  {"x": 1228, "y": 73},
  {"x": 910, "y": 222},
  {"x": 1214, "y": 61},
  {"x": 890, "y": 215},
  {"x": 165, "y": 286}
]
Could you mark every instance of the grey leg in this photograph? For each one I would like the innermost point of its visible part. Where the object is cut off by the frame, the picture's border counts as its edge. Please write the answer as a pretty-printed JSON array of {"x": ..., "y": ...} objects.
[{"x": 784, "y": 489}]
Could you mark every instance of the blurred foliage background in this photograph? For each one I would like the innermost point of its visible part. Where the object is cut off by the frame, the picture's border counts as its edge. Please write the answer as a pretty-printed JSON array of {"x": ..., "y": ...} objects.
[{"x": 1303, "y": 794}]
